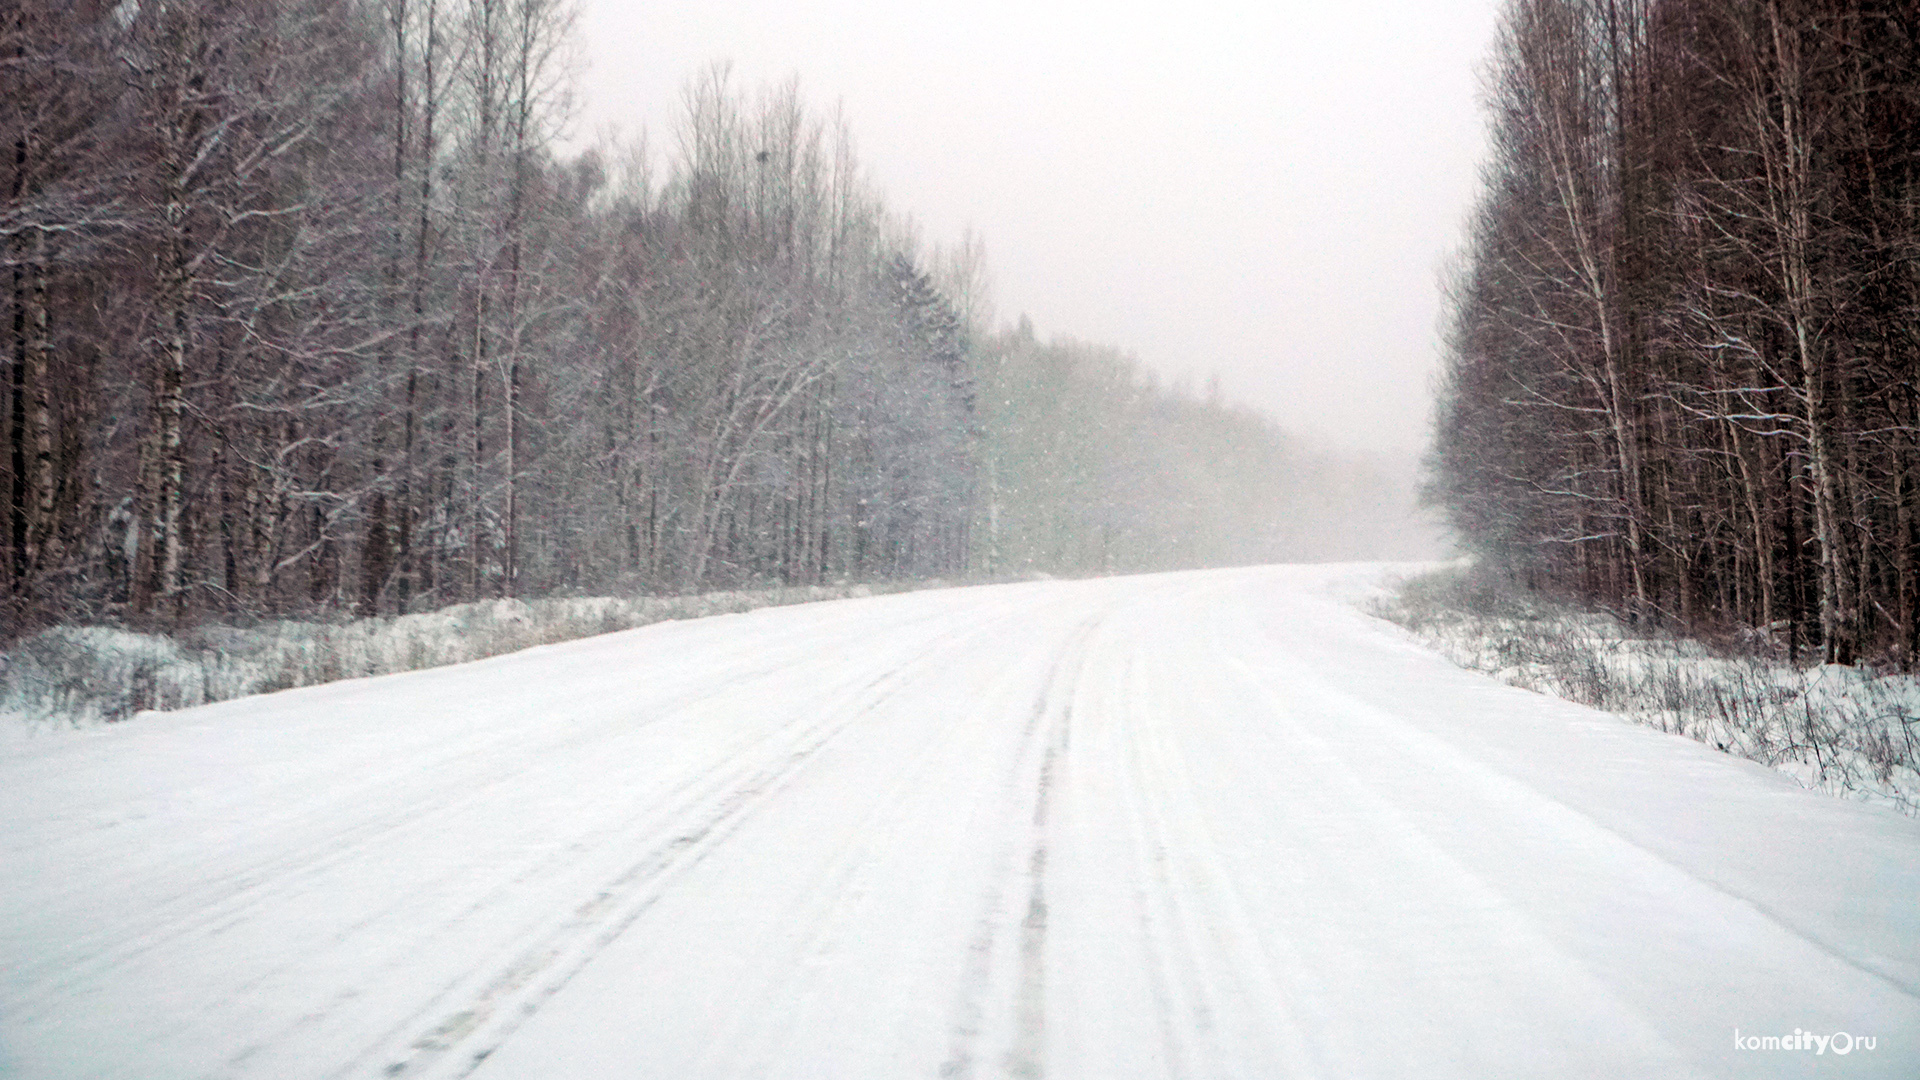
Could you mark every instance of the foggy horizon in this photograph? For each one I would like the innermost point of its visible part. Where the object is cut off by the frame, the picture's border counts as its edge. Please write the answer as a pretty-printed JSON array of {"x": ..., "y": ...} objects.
[{"x": 1265, "y": 195}]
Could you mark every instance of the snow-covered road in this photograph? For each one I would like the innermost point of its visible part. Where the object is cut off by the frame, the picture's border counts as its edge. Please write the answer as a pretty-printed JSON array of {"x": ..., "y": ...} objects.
[{"x": 1201, "y": 825}]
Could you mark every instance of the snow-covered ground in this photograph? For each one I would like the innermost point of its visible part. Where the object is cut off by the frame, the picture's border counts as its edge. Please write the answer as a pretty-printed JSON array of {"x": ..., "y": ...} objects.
[{"x": 1200, "y": 825}]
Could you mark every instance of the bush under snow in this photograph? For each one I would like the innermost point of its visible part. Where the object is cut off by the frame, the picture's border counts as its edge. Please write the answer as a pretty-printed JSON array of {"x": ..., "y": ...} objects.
[
  {"x": 88, "y": 674},
  {"x": 1852, "y": 731}
]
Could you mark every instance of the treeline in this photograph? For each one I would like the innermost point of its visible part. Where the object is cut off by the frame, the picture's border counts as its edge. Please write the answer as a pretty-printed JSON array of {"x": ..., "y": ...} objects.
[
  {"x": 1685, "y": 335},
  {"x": 307, "y": 310},
  {"x": 1091, "y": 465}
]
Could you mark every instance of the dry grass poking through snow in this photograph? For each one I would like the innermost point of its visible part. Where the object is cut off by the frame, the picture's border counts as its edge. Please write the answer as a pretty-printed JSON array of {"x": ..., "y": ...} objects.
[
  {"x": 89, "y": 674},
  {"x": 1850, "y": 731}
]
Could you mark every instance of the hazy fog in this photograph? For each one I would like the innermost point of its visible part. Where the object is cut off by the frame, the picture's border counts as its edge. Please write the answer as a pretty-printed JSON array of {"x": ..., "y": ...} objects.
[{"x": 1261, "y": 190}]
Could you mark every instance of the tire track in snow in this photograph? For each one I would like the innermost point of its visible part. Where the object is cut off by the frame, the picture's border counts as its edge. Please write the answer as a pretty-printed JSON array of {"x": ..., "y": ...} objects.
[
  {"x": 515, "y": 993},
  {"x": 765, "y": 1017},
  {"x": 1026, "y": 1057},
  {"x": 1151, "y": 886},
  {"x": 1220, "y": 996},
  {"x": 222, "y": 900},
  {"x": 1021, "y": 1007}
]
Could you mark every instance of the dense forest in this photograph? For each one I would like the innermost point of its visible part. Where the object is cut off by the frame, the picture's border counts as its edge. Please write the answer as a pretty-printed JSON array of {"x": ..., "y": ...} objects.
[
  {"x": 309, "y": 309},
  {"x": 1685, "y": 333}
]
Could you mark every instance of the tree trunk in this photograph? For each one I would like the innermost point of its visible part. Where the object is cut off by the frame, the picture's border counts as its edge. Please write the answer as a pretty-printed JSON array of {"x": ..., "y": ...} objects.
[{"x": 166, "y": 445}]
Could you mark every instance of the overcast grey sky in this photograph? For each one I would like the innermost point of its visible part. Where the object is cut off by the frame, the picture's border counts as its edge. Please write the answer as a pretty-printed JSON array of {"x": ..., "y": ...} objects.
[{"x": 1263, "y": 190}]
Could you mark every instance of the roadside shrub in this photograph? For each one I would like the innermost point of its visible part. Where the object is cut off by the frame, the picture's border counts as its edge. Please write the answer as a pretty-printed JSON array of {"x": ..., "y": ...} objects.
[
  {"x": 80, "y": 675},
  {"x": 1850, "y": 731}
]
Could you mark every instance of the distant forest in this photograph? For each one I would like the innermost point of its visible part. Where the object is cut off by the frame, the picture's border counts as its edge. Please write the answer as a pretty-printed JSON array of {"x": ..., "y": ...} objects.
[
  {"x": 1686, "y": 332},
  {"x": 307, "y": 311}
]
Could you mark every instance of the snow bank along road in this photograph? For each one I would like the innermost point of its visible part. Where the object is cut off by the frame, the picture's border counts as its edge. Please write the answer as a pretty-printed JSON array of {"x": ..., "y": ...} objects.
[{"x": 1196, "y": 825}]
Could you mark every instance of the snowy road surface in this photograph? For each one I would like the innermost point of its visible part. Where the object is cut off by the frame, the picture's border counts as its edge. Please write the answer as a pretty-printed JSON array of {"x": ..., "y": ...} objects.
[{"x": 1200, "y": 825}]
